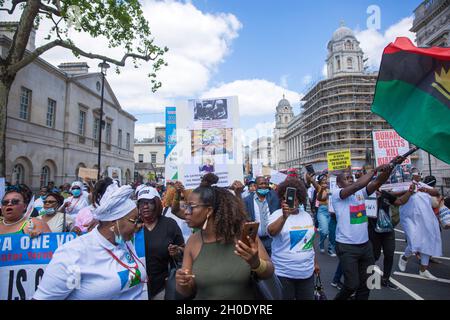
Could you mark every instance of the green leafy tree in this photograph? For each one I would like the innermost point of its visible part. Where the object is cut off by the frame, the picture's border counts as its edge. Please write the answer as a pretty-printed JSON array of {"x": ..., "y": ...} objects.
[{"x": 121, "y": 22}]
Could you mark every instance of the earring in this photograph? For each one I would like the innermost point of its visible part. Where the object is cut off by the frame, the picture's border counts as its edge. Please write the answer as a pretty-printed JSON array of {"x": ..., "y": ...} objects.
[{"x": 206, "y": 223}]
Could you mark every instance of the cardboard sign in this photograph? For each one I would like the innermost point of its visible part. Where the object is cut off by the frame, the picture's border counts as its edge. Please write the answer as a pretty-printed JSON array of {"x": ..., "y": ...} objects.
[
  {"x": 387, "y": 144},
  {"x": 339, "y": 160},
  {"x": 86, "y": 173}
]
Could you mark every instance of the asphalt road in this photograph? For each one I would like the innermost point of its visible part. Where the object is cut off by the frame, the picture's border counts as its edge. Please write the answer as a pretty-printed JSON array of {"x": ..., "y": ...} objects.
[{"x": 413, "y": 287}]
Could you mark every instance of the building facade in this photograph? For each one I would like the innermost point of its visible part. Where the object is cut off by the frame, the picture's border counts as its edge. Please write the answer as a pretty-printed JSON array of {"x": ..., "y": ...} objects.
[
  {"x": 283, "y": 119},
  {"x": 149, "y": 156},
  {"x": 261, "y": 151},
  {"x": 53, "y": 124},
  {"x": 336, "y": 114},
  {"x": 432, "y": 27}
]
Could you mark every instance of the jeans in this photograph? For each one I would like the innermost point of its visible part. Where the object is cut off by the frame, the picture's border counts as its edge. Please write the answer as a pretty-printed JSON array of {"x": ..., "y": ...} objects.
[
  {"x": 324, "y": 220},
  {"x": 387, "y": 242},
  {"x": 298, "y": 289},
  {"x": 332, "y": 231},
  {"x": 338, "y": 274},
  {"x": 267, "y": 243},
  {"x": 355, "y": 260}
]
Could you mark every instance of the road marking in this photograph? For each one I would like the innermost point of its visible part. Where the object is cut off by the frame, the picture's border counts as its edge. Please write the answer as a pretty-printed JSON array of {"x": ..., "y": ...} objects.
[
  {"x": 439, "y": 258},
  {"x": 419, "y": 277},
  {"x": 399, "y": 230},
  {"x": 401, "y": 240},
  {"x": 401, "y": 286}
]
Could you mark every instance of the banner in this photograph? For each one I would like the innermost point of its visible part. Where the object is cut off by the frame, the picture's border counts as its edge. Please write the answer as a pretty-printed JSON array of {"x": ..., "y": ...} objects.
[
  {"x": 23, "y": 261},
  {"x": 86, "y": 173},
  {"x": 171, "y": 167},
  {"x": 208, "y": 141},
  {"x": 387, "y": 144},
  {"x": 339, "y": 160}
]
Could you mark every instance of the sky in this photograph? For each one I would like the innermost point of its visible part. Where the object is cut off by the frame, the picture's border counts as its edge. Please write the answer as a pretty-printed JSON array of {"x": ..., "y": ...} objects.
[{"x": 257, "y": 50}]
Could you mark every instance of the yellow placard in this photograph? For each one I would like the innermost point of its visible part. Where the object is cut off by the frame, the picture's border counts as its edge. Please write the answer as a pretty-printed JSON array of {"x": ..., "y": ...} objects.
[
  {"x": 339, "y": 160},
  {"x": 87, "y": 173}
]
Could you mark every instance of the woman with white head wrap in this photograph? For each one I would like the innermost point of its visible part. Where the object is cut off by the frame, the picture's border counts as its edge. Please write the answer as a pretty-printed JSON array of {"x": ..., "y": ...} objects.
[
  {"x": 102, "y": 264},
  {"x": 77, "y": 201}
]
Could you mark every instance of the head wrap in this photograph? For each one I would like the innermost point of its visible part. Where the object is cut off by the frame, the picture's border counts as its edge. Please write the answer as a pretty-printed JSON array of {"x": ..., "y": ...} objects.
[
  {"x": 77, "y": 184},
  {"x": 115, "y": 203}
]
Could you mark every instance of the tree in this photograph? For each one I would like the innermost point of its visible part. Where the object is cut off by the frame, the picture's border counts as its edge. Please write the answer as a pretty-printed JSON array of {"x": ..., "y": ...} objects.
[{"x": 121, "y": 22}]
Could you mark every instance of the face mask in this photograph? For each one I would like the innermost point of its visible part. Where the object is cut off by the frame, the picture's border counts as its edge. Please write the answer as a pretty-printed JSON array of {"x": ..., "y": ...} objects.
[
  {"x": 48, "y": 211},
  {"x": 42, "y": 198},
  {"x": 263, "y": 192},
  {"x": 76, "y": 192},
  {"x": 118, "y": 237}
]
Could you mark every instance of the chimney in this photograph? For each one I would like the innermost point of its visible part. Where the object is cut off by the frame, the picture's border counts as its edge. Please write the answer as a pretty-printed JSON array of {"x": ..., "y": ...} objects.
[
  {"x": 8, "y": 28},
  {"x": 74, "y": 68}
]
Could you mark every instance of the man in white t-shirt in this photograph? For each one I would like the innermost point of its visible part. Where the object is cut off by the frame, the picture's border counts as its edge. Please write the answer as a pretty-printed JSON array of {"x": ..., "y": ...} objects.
[{"x": 352, "y": 239}]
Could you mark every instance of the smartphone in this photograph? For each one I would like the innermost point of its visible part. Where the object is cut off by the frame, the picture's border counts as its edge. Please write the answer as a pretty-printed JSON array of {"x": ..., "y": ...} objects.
[
  {"x": 250, "y": 229},
  {"x": 290, "y": 196},
  {"x": 309, "y": 168}
]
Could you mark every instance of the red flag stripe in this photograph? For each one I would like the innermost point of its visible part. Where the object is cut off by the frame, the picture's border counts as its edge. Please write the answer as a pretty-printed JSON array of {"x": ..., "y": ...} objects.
[{"x": 404, "y": 44}]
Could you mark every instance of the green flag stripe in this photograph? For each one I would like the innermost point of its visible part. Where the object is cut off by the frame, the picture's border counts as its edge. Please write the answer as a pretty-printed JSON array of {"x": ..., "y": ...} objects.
[{"x": 418, "y": 117}]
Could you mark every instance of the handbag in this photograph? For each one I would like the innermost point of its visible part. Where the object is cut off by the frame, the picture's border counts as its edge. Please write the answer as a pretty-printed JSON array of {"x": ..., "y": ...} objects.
[
  {"x": 384, "y": 224},
  {"x": 170, "y": 292},
  {"x": 267, "y": 289},
  {"x": 319, "y": 292}
]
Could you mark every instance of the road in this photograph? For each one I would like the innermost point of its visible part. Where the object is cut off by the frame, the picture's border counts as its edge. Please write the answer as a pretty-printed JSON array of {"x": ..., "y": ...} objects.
[{"x": 412, "y": 286}]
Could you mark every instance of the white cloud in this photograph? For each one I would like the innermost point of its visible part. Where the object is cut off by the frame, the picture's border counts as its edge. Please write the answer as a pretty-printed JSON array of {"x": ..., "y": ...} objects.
[
  {"x": 373, "y": 42},
  {"x": 283, "y": 81},
  {"x": 307, "y": 79},
  {"x": 146, "y": 130},
  {"x": 256, "y": 96},
  {"x": 198, "y": 43},
  {"x": 325, "y": 71}
]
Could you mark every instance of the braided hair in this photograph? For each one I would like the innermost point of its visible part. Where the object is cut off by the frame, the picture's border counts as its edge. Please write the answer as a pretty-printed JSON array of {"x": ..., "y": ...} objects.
[{"x": 228, "y": 213}]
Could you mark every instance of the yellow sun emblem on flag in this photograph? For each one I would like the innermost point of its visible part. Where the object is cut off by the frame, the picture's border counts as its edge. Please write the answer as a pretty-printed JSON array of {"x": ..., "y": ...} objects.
[
  {"x": 359, "y": 215},
  {"x": 442, "y": 83}
]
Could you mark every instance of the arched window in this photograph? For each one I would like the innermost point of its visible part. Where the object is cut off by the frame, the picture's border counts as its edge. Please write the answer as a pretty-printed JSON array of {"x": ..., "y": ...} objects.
[
  {"x": 338, "y": 63},
  {"x": 348, "y": 45},
  {"x": 286, "y": 119},
  {"x": 350, "y": 63},
  {"x": 45, "y": 176},
  {"x": 18, "y": 174}
]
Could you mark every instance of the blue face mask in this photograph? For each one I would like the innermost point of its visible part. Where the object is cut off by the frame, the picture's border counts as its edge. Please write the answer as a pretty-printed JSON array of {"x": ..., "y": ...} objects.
[
  {"x": 263, "y": 192},
  {"x": 118, "y": 239},
  {"x": 43, "y": 198},
  {"x": 76, "y": 192},
  {"x": 48, "y": 211}
]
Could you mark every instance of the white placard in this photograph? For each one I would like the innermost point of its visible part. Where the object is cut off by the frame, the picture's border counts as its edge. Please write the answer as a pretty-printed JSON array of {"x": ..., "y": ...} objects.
[
  {"x": 371, "y": 207},
  {"x": 387, "y": 144}
]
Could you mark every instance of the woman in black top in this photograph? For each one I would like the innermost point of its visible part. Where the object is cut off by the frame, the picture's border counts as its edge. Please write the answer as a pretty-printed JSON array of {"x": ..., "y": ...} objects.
[{"x": 163, "y": 241}]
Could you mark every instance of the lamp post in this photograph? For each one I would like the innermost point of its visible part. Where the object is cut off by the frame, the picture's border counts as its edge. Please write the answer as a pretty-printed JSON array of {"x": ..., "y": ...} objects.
[{"x": 103, "y": 68}]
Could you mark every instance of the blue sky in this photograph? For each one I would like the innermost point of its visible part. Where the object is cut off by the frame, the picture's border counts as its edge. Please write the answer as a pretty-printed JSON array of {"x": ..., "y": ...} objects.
[{"x": 257, "y": 50}]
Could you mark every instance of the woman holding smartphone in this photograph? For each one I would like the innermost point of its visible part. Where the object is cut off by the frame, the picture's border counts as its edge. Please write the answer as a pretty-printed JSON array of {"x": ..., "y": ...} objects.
[{"x": 292, "y": 230}]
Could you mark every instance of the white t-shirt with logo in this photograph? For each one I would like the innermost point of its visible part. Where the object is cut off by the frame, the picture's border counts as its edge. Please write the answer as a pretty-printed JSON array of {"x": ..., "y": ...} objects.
[
  {"x": 292, "y": 248},
  {"x": 351, "y": 217},
  {"x": 82, "y": 269}
]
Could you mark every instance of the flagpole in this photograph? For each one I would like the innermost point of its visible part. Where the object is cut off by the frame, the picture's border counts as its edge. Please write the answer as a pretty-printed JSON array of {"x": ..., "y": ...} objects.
[{"x": 429, "y": 163}]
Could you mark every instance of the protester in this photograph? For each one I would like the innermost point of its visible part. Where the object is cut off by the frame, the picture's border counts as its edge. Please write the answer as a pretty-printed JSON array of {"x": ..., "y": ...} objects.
[
  {"x": 56, "y": 220},
  {"x": 39, "y": 202},
  {"x": 16, "y": 219},
  {"x": 420, "y": 225},
  {"x": 323, "y": 215},
  {"x": 292, "y": 230},
  {"x": 102, "y": 264},
  {"x": 260, "y": 205},
  {"x": 65, "y": 190},
  {"x": 175, "y": 209},
  {"x": 352, "y": 241},
  {"x": 163, "y": 241},
  {"x": 77, "y": 201},
  {"x": 216, "y": 264},
  {"x": 52, "y": 188}
]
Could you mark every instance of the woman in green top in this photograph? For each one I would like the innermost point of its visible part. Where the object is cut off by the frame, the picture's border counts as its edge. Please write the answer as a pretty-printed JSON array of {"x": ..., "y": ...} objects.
[
  {"x": 15, "y": 219},
  {"x": 216, "y": 264}
]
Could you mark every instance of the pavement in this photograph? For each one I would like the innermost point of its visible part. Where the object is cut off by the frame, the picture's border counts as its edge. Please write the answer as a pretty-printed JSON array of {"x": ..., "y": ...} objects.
[{"x": 412, "y": 286}]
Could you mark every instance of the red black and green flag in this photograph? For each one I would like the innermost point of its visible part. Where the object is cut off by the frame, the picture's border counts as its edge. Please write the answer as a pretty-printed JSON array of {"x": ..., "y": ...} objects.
[{"x": 413, "y": 95}]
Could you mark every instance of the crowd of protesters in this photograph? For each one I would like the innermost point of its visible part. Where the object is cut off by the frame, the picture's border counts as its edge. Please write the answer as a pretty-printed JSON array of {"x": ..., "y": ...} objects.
[{"x": 193, "y": 238}]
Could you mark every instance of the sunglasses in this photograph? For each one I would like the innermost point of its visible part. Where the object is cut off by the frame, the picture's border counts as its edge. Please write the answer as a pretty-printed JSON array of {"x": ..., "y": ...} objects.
[
  {"x": 13, "y": 202},
  {"x": 50, "y": 202},
  {"x": 136, "y": 221}
]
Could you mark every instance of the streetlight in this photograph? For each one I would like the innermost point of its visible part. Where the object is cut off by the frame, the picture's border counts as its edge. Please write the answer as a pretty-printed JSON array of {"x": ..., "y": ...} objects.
[{"x": 103, "y": 68}]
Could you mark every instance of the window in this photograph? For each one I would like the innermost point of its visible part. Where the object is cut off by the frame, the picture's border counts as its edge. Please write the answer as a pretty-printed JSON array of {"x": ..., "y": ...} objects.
[
  {"x": 18, "y": 174},
  {"x": 153, "y": 156},
  {"x": 348, "y": 45},
  {"x": 338, "y": 62},
  {"x": 45, "y": 176},
  {"x": 108, "y": 133},
  {"x": 141, "y": 157},
  {"x": 82, "y": 123},
  {"x": 51, "y": 110},
  {"x": 25, "y": 103},
  {"x": 128, "y": 141},
  {"x": 96, "y": 131},
  {"x": 119, "y": 138},
  {"x": 350, "y": 63}
]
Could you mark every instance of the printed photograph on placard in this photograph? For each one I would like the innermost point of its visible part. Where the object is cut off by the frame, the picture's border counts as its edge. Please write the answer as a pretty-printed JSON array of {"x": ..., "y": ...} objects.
[
  {"x": 214, "y": 109},
  {"x": 212, "y": 142}
]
